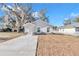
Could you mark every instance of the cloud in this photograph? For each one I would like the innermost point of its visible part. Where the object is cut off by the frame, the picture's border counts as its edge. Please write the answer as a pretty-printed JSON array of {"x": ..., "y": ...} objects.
[
  {"x": 66, "y": 18},
  {"x": 74, "y": 14}
]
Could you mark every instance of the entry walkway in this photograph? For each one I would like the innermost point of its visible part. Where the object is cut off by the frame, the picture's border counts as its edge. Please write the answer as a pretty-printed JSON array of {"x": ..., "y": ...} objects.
[{"x": 23, "y": 45}]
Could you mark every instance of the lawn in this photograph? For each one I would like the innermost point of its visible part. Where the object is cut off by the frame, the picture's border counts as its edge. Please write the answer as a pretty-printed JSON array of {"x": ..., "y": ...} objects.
[
  {"x": 4, "y": 36},
  {"x": 58, "y": 45}
]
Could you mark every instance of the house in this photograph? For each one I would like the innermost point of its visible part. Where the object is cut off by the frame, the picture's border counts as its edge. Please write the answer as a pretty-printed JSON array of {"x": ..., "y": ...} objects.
[
  {"x": 70, "y": 29},
  {"x": 43, "y": 26},
  {"x": 61, "y": 29},
  {"x": 29, "y": 28},
  {"x": 38, "y": 26}
]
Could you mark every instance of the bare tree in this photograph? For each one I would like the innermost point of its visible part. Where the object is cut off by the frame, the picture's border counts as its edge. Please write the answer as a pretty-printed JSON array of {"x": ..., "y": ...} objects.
[
  {"x": 18, "y": 15},
  {"x": 42, "y": 15},
  {"x": 21, "y": 14}
]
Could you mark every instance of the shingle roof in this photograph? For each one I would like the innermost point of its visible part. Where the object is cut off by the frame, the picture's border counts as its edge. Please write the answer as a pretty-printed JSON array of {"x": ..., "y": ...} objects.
[
  {"x": 76, "y": 24},
  {"x": 61, "y": 27},
  {"x": 29, "y": 24},
  {"x": 40, "y": 23}
]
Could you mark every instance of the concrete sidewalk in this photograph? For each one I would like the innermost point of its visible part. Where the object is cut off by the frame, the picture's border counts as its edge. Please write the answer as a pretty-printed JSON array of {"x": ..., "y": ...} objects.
[{"x": 21, "y": 46}]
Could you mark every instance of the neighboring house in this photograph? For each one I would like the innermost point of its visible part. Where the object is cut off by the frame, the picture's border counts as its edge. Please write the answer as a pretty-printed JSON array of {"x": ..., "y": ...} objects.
[
  {"x": 70, "y": 29},
  {"x": 38, "y": 26}
]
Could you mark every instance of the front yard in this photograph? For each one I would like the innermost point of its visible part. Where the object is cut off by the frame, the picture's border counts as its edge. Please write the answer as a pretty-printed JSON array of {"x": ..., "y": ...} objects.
[
  {"x": 58, "y": 45},
  {"x": 4, "y": 36}
]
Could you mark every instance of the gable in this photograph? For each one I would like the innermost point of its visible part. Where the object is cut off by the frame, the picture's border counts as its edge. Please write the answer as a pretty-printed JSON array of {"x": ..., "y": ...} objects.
[
  {"x": 40, "y": 23},
  {"x": 28, "y": 25}
]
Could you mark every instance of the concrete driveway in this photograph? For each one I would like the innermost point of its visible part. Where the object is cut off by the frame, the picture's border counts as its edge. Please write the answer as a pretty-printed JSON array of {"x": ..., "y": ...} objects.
[{"x": 20, "y": 46}]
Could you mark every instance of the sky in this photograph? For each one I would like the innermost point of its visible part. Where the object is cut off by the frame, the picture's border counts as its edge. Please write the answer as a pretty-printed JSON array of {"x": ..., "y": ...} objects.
[{"x": 56, "y": 12}]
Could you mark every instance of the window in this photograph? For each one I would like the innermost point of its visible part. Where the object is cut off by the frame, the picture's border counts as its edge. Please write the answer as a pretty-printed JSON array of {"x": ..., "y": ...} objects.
[
  {"x": 48, "y": 29},
  {"x": 77, "y": 29},
  {"x": 38, "y": 29}
]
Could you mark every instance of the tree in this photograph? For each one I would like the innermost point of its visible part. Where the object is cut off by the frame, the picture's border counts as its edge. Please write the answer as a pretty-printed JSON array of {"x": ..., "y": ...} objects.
[
  {"x": 76, "y": 19},
  {"x": 42, "y": 15},
  {"x": 67, "y": 21},
  {"x": 19, "y": 14}
]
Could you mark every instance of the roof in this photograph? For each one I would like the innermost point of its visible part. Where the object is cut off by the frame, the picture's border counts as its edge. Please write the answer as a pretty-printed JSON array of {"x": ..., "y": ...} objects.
[
  {"x": 61, "y": 27},
  {"x": 29, "y": 24},
  {"x": 40, "y": 23},
  {"x": 37, "y": 23},
  {"x": 69, "y": 26},
  {"x": 76, "y": 24}
]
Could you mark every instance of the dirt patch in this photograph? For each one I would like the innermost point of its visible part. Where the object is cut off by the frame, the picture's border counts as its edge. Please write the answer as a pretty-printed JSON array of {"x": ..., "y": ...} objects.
[{"x": 58, "y": 45}]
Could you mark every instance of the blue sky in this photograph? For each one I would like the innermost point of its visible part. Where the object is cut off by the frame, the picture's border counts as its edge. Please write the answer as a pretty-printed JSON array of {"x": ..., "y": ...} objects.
[{"x": 57, "y": 12}]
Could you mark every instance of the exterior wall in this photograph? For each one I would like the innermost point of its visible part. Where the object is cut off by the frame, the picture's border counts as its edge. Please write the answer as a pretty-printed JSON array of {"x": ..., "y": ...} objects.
[
  {"x": 61, "y": 30},
  {"x": 45, "y": 30},
  {"x": 51, "y": 30},
  {"x": 69, "y": 31},
  {"x": 26, "y": 30},
  {"x": 29, "y": 28}
]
